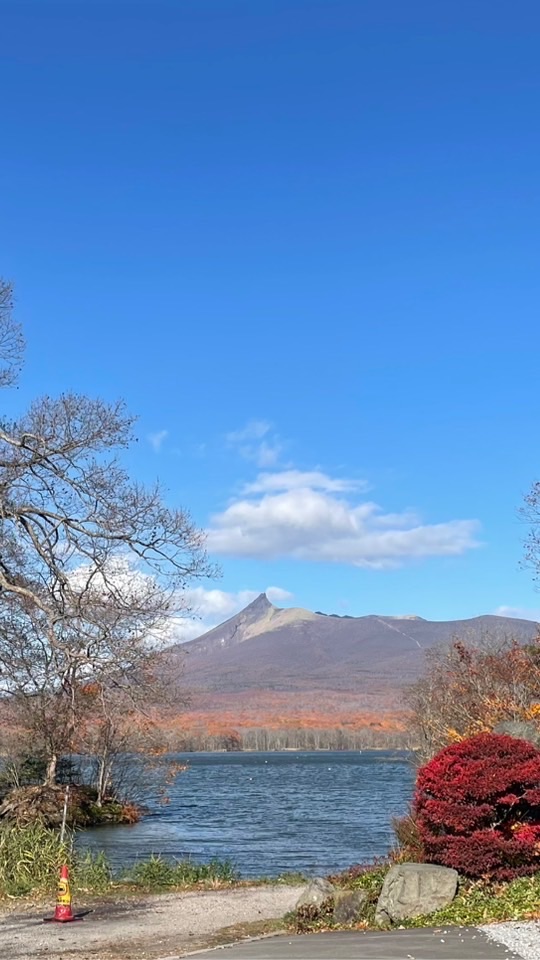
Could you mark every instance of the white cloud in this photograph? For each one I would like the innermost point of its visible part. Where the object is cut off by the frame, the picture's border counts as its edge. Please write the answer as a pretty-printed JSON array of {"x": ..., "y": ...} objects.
[
  {"x": 268, "y": 453},
  {"x": 301, "y": 480},
  {"x": 290, "y": 514},
  {"x": 520, "y": 613},
  {"x": 253, "y": 430},
  {"x": 211, "y": 607},
  {"x": 192, "y": 611},
  {"x": 156, "y": 440},
  {"x": 257, "y": 442},
  {"x": 278, "y": 594}
]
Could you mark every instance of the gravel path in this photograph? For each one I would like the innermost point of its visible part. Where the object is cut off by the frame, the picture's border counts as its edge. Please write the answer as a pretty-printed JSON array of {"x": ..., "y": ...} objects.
[
  {"x": 161, "y": 927},
  {"x": 522, "y": 937},
  {"x": 149, "y": 929}
]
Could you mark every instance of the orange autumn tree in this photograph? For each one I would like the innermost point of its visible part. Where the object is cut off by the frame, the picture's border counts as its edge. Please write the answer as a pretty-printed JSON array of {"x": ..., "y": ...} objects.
[{"x": 469, "y": 689}]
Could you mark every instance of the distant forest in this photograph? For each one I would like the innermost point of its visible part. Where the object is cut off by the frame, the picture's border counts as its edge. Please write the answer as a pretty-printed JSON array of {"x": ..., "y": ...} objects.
[{"x": 288, "y": 739}]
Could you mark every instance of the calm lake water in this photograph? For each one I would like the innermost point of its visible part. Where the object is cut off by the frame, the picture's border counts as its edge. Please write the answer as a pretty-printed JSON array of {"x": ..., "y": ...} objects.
[{"x": 271, "y": 812}]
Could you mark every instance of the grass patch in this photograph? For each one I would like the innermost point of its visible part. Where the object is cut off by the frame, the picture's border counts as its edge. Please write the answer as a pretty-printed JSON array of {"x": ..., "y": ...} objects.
[
  {"x": 369, "y": 877},
  {"x": 287, "y": 879},
  {"x": 290, "y": 879},
  {"x": 92, "y": 873},
  {"x": 157, "y": 873},
  {"x": 30, "y": 859},
  {"x": 31, "y": 856},
  {"x": 478, "y": 902}
]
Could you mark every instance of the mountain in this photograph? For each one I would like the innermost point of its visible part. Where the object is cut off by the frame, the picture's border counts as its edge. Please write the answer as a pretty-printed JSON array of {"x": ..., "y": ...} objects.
[{"x": 272, "y": 665}]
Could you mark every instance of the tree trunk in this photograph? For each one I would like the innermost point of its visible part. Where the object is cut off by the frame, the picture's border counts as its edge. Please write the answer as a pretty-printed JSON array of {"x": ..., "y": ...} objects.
[
  {"x": 103, "y": 778},
  {"x": 50, "y": 776}
]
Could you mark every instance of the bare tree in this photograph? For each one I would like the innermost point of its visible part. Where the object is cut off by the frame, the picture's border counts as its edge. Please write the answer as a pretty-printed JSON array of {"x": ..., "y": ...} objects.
[
  {"x": 11, "y": 338},
  {"x": 93, "y": 566},
  {"x": 472, "y": 688},
  {"x": 530, "y": 513}
]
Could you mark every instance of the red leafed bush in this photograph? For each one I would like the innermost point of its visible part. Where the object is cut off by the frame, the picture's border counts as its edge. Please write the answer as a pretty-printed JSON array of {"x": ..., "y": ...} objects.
[{"x": 477, "y": 807}]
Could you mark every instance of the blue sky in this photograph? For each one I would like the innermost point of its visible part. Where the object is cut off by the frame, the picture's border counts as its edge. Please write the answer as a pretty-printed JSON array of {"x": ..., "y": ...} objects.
[{"x": 301, "y": 239}]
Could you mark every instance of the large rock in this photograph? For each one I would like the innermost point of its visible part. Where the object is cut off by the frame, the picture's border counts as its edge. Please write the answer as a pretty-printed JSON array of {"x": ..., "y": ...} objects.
[
  {"x": 415, "y": 889},
  {"x": 521, "y": 729},
  {"x": 317, "y": 891},
  {"x": 349, "y": 905}
]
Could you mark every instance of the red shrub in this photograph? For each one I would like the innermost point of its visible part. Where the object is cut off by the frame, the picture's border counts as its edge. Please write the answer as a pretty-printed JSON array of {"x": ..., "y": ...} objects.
[{"x": 477, "y": 807}]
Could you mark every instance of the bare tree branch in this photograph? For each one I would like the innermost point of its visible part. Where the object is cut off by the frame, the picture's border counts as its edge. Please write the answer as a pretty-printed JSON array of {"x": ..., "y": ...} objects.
[
  {"x": 11, "y": 338},
  {"x": 93, "y": 565}
]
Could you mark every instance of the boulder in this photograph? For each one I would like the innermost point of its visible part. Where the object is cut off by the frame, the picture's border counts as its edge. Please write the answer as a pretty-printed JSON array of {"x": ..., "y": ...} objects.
[
  {"x": 349, "y": 905},
  {"x": 521, "y": 729},
  {"x": 317, "y": 891},
  {"x": 413, "y": 890}
]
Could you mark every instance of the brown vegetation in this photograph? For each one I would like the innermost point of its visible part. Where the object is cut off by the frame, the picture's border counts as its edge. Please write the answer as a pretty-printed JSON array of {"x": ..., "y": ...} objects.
[
  {"x": 470, "y": 689},
  {"x": 46, "y": 803}
]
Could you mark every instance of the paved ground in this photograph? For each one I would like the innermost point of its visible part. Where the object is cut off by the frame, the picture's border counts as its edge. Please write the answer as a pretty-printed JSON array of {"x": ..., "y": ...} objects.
[
  {"x": 171, "y": 926},
  {"x": 134, "y": 929},
  {"x": 439, "y": 944}
]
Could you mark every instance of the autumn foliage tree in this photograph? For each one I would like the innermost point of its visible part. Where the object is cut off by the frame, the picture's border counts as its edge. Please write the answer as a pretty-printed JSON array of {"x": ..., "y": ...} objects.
[
  {"x": 477, "y": 807},
  {"x": 468, "y": 689},
  {"x": 93, "y": 566}
]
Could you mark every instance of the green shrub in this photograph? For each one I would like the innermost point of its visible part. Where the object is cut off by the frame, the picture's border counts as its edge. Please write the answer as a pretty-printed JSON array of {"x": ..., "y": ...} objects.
[
  {"x": 22, "y": 772},
  {"x": 92, "y": 872},
  {"x": 30, "y": 858},
  {"x": 158, "y": 872},
  {"x": 366, "y": 876}
]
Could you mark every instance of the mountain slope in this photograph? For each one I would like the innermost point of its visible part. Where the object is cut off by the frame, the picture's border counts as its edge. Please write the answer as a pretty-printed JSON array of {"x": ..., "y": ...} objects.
[{"x": 265, "y": 658}]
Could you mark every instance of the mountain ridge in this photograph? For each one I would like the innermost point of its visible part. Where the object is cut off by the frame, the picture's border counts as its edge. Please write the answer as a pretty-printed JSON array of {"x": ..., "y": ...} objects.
[
  {"x": 264, "y": 647},
  {"x": 295, "y": 678}
]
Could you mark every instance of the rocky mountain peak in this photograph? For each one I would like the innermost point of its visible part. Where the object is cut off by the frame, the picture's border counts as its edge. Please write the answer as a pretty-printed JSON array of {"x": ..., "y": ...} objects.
[{"x": 261, "y": 605}]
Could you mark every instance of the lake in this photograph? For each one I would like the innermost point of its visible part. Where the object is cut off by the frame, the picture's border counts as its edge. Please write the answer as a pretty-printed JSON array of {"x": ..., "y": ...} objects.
[{"x": 271, "y": 812}]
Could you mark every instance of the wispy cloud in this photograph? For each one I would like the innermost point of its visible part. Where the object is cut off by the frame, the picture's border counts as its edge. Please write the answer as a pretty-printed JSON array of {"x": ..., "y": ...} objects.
[
  {"x": 156, "y": 440},
  {"x": 519, "y": 613},
  {"x": 302, "y": 480},
  {"x": 313, "y": 516},
  {"x": 257, "y": 441},
  {"x": 253, "y": 430}
]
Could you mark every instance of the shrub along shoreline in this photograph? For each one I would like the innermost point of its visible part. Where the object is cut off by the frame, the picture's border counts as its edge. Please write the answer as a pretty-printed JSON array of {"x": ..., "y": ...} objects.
[
  {"x": 31, "y": 856},
  {"x": 46, "y": 804}
]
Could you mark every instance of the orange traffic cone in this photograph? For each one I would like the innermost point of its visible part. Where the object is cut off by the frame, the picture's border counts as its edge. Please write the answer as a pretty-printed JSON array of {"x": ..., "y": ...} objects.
[{"x": 63, "y": 912}]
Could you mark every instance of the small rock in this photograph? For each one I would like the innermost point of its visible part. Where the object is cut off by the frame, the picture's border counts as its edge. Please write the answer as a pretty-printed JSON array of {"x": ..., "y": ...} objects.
[
  {"x": 349, "y": 905},
  {"x": 413, "y": 890},
  {"x": 317, "y": 891}
]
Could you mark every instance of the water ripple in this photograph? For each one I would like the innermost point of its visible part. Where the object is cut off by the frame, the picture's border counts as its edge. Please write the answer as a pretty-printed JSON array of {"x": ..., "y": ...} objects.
[{"x": 270, "y": 813}]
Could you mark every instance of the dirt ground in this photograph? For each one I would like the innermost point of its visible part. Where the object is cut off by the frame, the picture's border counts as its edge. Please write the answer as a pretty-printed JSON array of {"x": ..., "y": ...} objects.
[{"x": 154, "y": 928}]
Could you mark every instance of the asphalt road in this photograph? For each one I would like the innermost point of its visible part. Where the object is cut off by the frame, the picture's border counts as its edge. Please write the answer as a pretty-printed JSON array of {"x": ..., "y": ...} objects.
[{"x": 439, "y": 944}]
